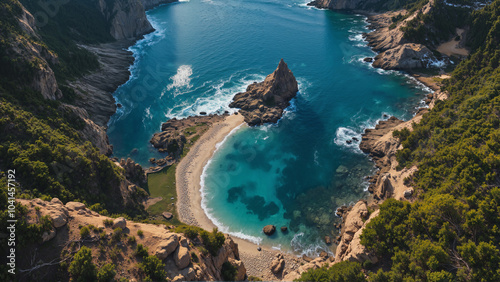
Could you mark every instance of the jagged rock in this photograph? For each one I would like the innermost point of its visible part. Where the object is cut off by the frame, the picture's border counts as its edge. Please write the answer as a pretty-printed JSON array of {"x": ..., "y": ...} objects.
[
  {"x": 264, "y": 102},
  {"x": 278, "y": 264},
  {"x": 166, "y": 247},
  {"x": 240, "y": 269},
  {"x": 119, "y": 223},
  {"x": 182, "y": 257},
  {"x": 328, "y": 240},
  {"x": 179, "y": 278},
  {"x": 323, "y": 254},
  {"x": 269, "y": 230},
  {"x": 48, "y": 235},
  {"x": 74, "y": 206},
  {"x": 404, "y": 57},
  {"x": 127, "y": 18},
  {"x": 188, "y": 273},
  {"x": 133, "y": 171},
  {"x": 368, "y": 60},
  {"x": 306, "y": 258}
]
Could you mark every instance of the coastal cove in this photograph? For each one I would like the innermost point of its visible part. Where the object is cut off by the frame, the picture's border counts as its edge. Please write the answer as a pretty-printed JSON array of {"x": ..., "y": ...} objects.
[{"x": 295, "y": 173}]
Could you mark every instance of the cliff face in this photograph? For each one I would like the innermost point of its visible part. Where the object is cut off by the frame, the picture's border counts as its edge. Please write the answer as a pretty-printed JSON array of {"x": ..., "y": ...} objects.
[
  {"x": 38, "y": 55},
  {"x": 150, "y": 4},
  {"x": 127, "y": 18}
]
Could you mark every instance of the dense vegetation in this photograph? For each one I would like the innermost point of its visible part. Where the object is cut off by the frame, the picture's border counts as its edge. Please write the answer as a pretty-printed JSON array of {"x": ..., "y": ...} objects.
[
  {"x": 436, "y": 26},
  {"x": 64, "y": 24},
  {"x": 453, "y": 231}
]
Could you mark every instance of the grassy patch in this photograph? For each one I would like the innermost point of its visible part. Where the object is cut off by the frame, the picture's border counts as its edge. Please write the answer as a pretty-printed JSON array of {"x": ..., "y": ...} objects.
[{"x": 162, "y": 184}]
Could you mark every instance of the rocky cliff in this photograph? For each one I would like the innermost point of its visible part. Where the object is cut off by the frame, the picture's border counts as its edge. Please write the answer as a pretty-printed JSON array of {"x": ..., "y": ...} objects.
[
  {"x": 127, "y": 18},
  {"x": 264, "y": 102},
  {"x": 37, "y": 54},
  {"x": 150, "y": 4},
  {"x": 342, "y": 4},
  {"x": 184, "y": 259}
]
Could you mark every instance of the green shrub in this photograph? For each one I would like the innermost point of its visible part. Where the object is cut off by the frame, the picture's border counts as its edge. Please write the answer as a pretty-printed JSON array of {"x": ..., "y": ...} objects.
[
  {"x": 141, "y": 251},
  {"x": 131, "y": 240},
  {"x": 228, "y": 271},
  {"x": 153, "y": 269},
  {"x": 190, "y": 231},
  {"x": 254, "y": 278},
  {"x": 140, "y": 233},
  {"x": 194, "y": 257},
  {"x": 340, "y": 272},
  {"x": 108, "y": 222},
  {"x": 84, "y": 232},
  {"x": 82, "y": 268},
  {"x": 117, "y": 234},
  {"x": 106, "y": 273},
  {"x": 213, "y": 241}
]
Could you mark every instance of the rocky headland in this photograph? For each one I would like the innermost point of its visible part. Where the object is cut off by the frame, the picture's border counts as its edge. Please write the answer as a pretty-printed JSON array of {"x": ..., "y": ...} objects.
[
  {"x": 185, "y": 259},
  {"x": 264, "y": 102}
]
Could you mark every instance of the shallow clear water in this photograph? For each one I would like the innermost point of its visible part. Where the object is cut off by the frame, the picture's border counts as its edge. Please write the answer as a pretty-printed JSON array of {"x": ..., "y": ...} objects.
[{"x": 295, "y": 173}]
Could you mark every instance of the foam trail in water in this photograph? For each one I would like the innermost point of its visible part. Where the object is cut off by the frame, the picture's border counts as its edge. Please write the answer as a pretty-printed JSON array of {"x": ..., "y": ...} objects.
[{"x": 182, "y": 79}]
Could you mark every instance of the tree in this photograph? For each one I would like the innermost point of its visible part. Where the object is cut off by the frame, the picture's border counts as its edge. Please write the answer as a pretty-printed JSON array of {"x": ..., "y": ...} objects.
[{"x": 153, "y": 269}]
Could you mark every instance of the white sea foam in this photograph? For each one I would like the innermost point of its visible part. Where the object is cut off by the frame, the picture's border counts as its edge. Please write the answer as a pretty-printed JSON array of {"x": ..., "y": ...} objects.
[
  {"x": 345, "y": 134},
  {"x": 301, "y": 244},
  {"x": 217, "y": 99},
  {"x": 181, "y": 80}
]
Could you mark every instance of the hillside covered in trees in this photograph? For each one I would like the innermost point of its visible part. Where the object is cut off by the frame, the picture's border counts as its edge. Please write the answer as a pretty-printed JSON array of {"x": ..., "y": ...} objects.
[{"x": 452, "y": 231}]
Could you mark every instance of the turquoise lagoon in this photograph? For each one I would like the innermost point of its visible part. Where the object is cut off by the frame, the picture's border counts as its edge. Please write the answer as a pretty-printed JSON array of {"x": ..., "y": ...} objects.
[{"x": 294, "y": 173}]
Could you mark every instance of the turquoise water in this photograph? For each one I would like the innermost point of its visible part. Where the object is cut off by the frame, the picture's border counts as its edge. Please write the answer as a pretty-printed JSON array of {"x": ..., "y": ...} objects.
[{"x": 295, "y": 173}]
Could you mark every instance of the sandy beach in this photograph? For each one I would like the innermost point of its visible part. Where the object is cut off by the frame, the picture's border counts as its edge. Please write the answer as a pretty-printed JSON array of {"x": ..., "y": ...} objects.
[{"x": 188, "y": 175}]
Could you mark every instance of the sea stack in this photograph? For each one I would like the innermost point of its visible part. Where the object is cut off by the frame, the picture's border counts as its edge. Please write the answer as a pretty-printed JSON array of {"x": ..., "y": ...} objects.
[{"x": 265, "y": 101}]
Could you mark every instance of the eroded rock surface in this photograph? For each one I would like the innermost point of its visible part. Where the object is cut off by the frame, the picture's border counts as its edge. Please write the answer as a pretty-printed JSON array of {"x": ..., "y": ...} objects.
[{"x": 265, "y": 101}]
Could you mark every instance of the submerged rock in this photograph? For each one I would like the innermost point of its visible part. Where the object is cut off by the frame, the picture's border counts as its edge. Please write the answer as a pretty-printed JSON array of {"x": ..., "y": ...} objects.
[{"x": 264, "y": 102}]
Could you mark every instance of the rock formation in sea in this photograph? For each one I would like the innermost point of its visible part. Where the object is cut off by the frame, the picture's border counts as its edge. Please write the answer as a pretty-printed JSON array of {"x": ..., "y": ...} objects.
[{"x": 264, "y": 102}]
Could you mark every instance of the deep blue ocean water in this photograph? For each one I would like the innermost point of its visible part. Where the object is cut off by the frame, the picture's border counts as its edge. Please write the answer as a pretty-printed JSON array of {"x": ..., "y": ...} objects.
[{"x": 295, "y": 173}]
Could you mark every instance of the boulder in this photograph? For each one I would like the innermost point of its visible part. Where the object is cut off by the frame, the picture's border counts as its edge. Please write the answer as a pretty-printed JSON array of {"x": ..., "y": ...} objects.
[
  {"x": 74, "y": 206},
  {"x": 166, "y": 247},
  {"x": 119, "y": 223},
  {"x": 56, "y": 201},
  {"x": 182, "y": 257},
  {"x": 269, "y": 230},
  {"x": 58, "y": 218},
  {"x": 284, "y": 229},
  {"x": 167, "y": 215},
  {"x": 408, "y": 193}
]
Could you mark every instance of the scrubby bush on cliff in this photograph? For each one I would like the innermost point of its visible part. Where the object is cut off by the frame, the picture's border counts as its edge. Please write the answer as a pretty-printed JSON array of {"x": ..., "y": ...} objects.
[
  {"x": 213, "y": 241},
  {"x": 153, "y": 269},
  {"x": 82, "y": 268},
  {"x": 106, "y": 273},
  {"x": 228, "y": 271},
  {"x": 340, "y": 272}
]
